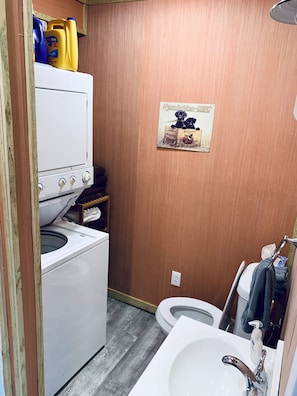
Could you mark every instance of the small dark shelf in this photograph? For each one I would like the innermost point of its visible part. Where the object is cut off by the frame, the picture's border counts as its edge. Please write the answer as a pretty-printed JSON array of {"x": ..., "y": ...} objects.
[{"x": 76, "y": 213}]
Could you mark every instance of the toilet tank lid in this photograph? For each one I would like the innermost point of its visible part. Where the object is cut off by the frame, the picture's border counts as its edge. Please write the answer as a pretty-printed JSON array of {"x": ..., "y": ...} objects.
[{"x": 244, "y": 285}]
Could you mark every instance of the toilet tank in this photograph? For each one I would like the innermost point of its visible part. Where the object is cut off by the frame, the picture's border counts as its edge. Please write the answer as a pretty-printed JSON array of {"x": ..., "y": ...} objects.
[{"x": 243, "y": 290}]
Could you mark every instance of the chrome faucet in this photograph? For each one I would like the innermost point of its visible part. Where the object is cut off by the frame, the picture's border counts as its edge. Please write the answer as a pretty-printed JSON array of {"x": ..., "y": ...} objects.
[{"x": 256, "y": 382}]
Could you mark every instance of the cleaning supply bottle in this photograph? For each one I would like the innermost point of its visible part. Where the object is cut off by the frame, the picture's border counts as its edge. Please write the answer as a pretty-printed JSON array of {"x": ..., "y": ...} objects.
[
  {"x": 62, "y": 43},
  {"x": 256, "y": 341},
  {"x": 39, "y": 44}
]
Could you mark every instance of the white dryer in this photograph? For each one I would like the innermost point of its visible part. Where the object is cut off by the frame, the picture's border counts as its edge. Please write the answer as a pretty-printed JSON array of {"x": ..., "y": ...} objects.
[{"x": 74, "y": 264}]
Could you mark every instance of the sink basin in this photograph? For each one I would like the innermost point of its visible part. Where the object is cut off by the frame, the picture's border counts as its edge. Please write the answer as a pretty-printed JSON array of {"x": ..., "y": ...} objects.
[
  {"x": 198, "y": 369},
  {"x": 189, "y": 362}
]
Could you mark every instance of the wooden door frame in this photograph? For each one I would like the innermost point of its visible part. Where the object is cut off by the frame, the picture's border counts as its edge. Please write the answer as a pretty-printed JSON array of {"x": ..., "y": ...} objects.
[{"x": 20, "y": 269}]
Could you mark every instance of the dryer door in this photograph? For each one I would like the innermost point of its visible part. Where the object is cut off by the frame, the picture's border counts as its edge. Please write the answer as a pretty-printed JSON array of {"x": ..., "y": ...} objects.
[{"x": 62, "y": 130}]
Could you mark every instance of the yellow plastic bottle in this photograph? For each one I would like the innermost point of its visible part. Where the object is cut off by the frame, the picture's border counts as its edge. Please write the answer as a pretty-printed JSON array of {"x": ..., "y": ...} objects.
[{"x": 62, "y": 43}]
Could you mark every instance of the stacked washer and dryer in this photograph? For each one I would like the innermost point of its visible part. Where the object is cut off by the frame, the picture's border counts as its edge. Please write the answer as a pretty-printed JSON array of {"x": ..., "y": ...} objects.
[{"x": 74, "y": 258}]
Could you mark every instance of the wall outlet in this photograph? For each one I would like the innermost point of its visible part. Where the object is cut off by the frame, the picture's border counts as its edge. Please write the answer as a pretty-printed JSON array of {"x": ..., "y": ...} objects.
[{"x": 175, "y": 278}]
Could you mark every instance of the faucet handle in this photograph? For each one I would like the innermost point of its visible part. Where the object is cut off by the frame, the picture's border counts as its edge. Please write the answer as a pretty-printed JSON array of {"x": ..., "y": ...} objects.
[{"x": 256, "y": 384}]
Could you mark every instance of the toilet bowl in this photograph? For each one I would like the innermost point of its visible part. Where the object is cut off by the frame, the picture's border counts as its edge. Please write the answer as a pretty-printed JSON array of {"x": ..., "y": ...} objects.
[{"x": 170, "y": 309}]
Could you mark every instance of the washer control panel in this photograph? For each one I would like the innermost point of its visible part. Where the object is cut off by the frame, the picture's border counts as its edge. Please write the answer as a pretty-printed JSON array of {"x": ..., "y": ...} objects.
[{"x": 61, "y": 183}]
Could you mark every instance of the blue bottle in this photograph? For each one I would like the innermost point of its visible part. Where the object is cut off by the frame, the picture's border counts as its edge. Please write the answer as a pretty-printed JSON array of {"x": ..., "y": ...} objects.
[{"x": 39, "y": 43}]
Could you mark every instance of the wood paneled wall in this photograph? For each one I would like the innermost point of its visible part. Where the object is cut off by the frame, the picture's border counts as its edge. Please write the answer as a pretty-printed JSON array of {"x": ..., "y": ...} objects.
[
  {"x": 197, "y": 213},
  {"x": 22, "y": 269},
  {"x": 115, "y": 57}
]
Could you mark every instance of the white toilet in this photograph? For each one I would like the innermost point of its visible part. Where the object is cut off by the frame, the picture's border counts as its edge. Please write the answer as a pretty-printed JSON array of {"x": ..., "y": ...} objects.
[{"x": 170, "y": 309}]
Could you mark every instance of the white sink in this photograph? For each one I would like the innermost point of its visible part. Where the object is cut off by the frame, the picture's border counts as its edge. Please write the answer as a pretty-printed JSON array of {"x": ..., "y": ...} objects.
[
  {"x": 199, "y": 366},
  {"x": 189, "y": 362}
]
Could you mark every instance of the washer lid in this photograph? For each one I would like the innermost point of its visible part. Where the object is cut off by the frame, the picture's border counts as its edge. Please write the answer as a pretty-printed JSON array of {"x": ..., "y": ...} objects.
[
  {"x": 55, "y": 208},
  {"x": 244, "y": 285}
]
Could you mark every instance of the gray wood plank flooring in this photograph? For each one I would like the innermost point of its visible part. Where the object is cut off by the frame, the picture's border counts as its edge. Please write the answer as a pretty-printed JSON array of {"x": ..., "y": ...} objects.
[{"x": 133, "y": 338}]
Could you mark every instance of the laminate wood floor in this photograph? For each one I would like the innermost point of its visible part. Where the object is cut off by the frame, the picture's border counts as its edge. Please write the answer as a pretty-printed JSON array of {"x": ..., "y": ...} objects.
[{"x": 133, "y": 338}]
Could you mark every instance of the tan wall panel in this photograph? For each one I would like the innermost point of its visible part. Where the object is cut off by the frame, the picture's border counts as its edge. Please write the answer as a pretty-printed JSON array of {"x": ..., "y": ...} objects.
[
  {"x": 116, "y": 64},
  {"x": 209, "y": 211}
]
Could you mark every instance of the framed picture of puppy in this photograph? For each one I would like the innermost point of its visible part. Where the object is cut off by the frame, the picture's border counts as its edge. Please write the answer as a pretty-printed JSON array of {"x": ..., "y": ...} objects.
[{"x": 185, "y": 126}]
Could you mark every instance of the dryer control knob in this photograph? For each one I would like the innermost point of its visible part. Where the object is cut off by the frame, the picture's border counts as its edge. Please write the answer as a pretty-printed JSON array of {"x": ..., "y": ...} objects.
[
  {"x": 72, "y": 180},
  {"x": 40, "y": 187},
  {"x": 86, "y": 177},
  {"x": 62, "y": 182}
]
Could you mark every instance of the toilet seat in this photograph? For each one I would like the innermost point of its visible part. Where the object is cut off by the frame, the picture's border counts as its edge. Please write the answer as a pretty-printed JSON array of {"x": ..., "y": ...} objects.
[{"x": 170, "y": 309}]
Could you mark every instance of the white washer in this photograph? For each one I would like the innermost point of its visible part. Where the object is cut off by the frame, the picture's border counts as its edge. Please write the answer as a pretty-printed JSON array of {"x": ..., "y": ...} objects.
[{"x": 74, "y": 292}]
